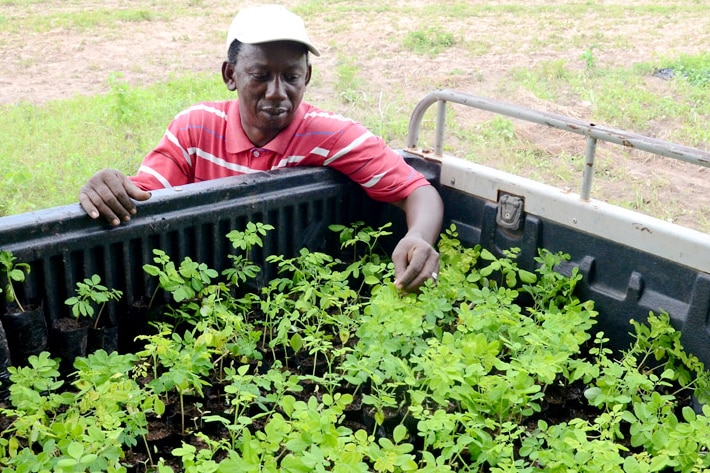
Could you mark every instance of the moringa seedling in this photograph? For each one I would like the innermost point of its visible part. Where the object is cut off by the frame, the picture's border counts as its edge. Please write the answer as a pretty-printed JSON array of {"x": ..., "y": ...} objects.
[
  {"x": 89, "y": 294},
  {"x": 15, "y": 272}
]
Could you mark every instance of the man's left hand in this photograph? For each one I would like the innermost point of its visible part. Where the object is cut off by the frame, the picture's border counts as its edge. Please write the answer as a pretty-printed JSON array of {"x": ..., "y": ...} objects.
[{"x": 415, "y": 261}]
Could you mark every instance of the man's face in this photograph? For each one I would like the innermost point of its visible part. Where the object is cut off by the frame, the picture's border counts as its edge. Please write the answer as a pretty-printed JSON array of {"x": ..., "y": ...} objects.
[{"x": 270, "y": 80}]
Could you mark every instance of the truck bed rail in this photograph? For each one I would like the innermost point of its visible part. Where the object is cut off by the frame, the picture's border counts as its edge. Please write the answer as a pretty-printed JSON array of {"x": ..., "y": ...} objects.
[{"x": 592, "y": 131}]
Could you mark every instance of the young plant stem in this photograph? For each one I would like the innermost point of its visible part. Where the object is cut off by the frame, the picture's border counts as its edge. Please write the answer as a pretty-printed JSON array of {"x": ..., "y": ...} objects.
[
  {"x": 147, "y": 449},
  {"x": 98, "y": 316},
  {"x": 182, "y": 413}
]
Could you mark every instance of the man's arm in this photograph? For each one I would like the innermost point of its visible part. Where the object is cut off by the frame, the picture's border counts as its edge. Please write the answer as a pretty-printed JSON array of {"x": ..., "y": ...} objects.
[
  {"x": 415, "y": 259},
  {"x": 110, "y": 194}
]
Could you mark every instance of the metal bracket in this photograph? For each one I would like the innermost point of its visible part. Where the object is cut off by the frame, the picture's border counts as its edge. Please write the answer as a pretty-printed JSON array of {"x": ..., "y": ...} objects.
[{"x": 510, "y": 211}]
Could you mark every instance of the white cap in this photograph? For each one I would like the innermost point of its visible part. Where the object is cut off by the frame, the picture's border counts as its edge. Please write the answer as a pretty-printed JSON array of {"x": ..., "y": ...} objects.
[{"x": 266, "y": 23}]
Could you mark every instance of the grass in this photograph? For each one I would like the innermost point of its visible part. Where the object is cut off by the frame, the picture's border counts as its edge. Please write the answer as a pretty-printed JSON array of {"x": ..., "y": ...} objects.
[
  {"x": 348, "y": 83},
  {"x": 53, "y": 148},
  {"x": 80, "y": 20},
  {"x": 431, "y": 40},
  {"x": 695, "y": 69},
  {"x": 621, "y": 95},
  {"x": 378, "y": 59}
]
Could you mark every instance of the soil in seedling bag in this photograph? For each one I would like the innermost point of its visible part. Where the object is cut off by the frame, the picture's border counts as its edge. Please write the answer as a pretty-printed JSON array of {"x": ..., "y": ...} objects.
[
  {"x": 26, "y": 333},
  {"x": 70, "y": 340},
  {"x": 102, "y": 338}
]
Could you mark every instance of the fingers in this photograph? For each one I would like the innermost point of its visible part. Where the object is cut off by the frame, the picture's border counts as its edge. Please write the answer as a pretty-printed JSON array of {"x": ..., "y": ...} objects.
[
  {"x": 415, "y": 261},
  {"x": 110, "y": 194}
]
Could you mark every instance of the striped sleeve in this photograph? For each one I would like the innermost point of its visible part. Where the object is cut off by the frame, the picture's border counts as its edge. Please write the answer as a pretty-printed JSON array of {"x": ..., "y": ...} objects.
[
  {"x": 365, "y": 158},
  {"x": 172, "y": 162}
]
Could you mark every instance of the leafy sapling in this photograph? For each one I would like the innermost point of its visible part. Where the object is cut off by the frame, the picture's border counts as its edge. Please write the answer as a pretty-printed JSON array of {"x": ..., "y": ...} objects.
[
  {"x": 89, "y": 294},
  {"x": 358, "y": 233},
  {"x": 184, "y": 282},
  {"x": 243, "y": 268},
  {"x": 15, "y": 272},
  {"x": 370, "y": 264}
]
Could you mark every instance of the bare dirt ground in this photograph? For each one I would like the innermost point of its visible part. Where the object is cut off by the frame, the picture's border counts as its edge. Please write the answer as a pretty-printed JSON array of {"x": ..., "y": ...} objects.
[{"x": 59, "y": 61}]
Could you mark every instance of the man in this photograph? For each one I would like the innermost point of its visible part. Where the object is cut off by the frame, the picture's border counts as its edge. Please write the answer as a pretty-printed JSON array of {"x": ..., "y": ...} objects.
[{"x": 269, "y": 127}]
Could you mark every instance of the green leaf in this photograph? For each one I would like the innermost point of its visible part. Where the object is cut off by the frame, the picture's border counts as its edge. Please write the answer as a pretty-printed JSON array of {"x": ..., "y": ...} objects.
[
  {"x": 379, "y": 417},
  {"x": 372, "y": 280},
  {"x": 688, "y": 414},
  {"x": 659, "y": 462},
  {"x": 75, "y": 450},
  {"x": 487, "y": 255},
  {"x": 185, "y": 450},
  {"x": 66, "y": 463},
  {"x": 400, "y": 432},
  {"x": 668, "y": 373},
  {"x": 296, "y": 342},
  {"x": 527, "y": 277},
  {"x": 293, "y": 464},
  {"x": 288, "y": 404},
  {"x": 151, "y": 270},
  {"x": 592, "y": 393},
  {"x": 297, "y": 445},
  {"x": 17, "y": 275},
  {"x": 159, "y": 406}
]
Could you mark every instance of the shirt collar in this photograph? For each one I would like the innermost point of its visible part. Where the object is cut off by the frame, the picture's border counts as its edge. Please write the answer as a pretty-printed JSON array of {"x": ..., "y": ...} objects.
[{"x": 237, "y": 140}]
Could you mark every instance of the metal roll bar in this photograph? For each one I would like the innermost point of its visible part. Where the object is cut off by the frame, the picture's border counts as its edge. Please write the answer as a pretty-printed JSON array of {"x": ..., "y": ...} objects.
[{"x": 590, "y": 130}]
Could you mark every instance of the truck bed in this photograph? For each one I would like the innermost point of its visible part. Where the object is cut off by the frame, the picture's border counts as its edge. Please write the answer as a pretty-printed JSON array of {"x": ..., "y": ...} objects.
[{"x": 631, "y": 263}]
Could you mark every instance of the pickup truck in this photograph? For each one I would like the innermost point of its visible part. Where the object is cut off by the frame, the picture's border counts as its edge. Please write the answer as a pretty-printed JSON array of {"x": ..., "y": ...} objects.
[{"x": 631, "y": 263}]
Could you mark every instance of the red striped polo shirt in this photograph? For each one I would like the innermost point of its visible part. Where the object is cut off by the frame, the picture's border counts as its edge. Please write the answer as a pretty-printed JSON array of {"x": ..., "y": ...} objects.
[{"x": 207, "y": 141}]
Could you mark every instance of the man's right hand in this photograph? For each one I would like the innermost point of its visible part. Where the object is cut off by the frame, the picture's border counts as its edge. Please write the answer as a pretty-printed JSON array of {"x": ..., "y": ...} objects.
[{"x": 110, "y": 194}]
